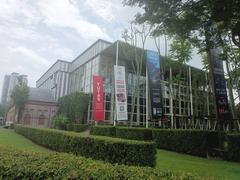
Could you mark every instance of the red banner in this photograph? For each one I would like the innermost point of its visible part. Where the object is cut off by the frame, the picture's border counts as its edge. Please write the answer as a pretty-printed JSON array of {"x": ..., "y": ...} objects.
[{"x": 98, "y": 99}]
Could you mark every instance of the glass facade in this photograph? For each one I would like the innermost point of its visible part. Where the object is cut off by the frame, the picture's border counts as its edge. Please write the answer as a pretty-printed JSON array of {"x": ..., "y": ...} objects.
[{"x": 185, "y": 90}]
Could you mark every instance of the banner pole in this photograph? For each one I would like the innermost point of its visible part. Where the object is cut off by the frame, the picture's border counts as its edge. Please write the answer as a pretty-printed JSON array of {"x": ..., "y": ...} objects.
[
  {"x": 191, "y": 95},
  {"x": 115, "y": 109},
  {"x": 146, "y": 96}
]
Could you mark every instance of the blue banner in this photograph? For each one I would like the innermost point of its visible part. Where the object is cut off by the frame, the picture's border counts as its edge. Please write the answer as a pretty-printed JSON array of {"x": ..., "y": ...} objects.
[
  {"x": 153, "y": 66},
  {"x": 223, "y": 108}
]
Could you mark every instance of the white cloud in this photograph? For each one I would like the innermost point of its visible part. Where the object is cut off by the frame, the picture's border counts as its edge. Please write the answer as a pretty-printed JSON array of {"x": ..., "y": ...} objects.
[
  {"x": 19, "y": 11},
  {"x": 22, "y": 60},
  {"x": 33, "y": 34},
  {"x": 64, "y": 53},
  {"x": 63, "y": 13},
  {"x": 102, "y": 8},
  {"x": 30, "y": 54},
  {"x": 8, "y": 8}
]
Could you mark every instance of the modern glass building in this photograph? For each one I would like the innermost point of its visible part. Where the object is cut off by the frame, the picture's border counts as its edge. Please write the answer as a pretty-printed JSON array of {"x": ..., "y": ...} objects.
[{"x": 187, "y": 96}]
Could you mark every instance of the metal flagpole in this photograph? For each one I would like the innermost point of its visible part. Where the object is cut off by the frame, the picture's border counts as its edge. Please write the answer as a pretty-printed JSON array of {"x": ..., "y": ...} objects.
[
  {"x": 146, "y": 96},
  {"x": 190, "y": 85},
  {"x": 171, "y": 94},
  {"x": 115, "y": 115},
  {"x": 208, "y": 110}
]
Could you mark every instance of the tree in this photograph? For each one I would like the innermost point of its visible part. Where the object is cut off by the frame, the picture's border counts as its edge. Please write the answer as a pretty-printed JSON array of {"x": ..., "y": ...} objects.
[
  {"x": 74, "y": 107},
  {"x": 190, "y": 18},
  {"x": 60, "y": 122},
  {"x": 180, "y": 51},
  {"x": 202, "y": 22},
  {"x": 19, "y": 97},
  {"x": 137, "y": 56},
  {"x": 2, "y": 110}
]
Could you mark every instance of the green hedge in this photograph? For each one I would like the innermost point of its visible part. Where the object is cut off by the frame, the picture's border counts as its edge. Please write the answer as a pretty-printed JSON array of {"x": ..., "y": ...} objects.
[
  {"x": 134, "y": 133},
  {"x": 194, "y": 142},
  {"x": 11, "y": 126},
  {"x": 103, "y": 131},
  {"x": 17, "y": 164},
  {"x": 233, "y": 147},
  {"x": 108, "y": 149},
  {"x": 77, "y": 127}
]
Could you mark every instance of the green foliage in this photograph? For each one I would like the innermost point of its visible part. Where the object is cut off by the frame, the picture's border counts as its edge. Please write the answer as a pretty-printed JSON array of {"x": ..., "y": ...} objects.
[
  {"x": 107, "y": 149},
  {"x": 20, "y": 95},
  {"x": 194, "y": 142},
  {"x": 12, "y": 126},
  {"x": 189, "y": 18},
  {"x": 3, "y": 110},
  {"x": 16, "y": 164},
  {"x": 60, "y": 122},
  {"x": 205, "y": 62},
  {"x": 74, "y": 106},
  {"x": 180, "y": 50},
  {"x": 103, "y": 131},
  {"x": 134, "y": 133},
  {"x": 77, "y": 127},
  {"x": 233, "y": 147}
]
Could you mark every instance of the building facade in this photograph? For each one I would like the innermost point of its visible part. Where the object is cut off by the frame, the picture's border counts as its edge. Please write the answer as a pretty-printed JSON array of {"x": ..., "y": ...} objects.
[
  {"x": 10, "y": 81},
  {"x": 185, "y": 90},
  {"x": 5, "y": 89},
  {"x": 56, "y": 79},
  {"x": 38, "y": 110}
]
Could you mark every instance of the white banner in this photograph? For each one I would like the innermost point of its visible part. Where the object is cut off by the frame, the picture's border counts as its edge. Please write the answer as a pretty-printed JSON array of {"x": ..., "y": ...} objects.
[{"x": 120, "y": 93}]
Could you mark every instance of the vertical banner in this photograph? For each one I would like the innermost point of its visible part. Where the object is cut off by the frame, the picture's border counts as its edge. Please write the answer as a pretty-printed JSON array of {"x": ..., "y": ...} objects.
[
  {"x": 153, "y": 66},
  {"x": 98, "y": 99},
  {"x": 120, "y": 93},
  {"x": 223, "y": 109}
]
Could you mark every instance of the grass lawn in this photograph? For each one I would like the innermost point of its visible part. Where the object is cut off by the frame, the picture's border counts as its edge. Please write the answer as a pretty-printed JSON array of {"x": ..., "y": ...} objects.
[
  {"x": 219, "y": 169},
  {"x": 10, "y": 138}
]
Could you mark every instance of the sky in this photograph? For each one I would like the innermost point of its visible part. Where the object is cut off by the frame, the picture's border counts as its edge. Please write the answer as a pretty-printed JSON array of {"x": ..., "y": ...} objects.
[{"x": 34, "y": 34}]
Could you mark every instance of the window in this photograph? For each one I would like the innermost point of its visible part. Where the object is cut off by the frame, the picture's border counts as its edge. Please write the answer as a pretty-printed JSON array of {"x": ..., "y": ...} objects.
[
  {"x": 27, "y": 119},
  {"x": 41, "y": 120}
]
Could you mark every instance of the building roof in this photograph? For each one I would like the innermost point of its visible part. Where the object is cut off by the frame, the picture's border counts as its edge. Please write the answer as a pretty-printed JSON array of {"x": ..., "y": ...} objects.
[
  {"x": 42, "y": 95},
  {"x": 84, "y": 52},
  {"x": 58, "y": 60}
]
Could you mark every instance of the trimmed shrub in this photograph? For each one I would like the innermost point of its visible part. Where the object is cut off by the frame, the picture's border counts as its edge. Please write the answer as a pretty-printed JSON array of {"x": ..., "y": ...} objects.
[
  {"x": 103, "y": 131},
  {"x": 17, "y": 164},
  {"x": 77, "y": 127},
  {"x": 60, "y": 122},
  {"x": 74, "y": 106},
  {"x": 194, "y": 142},
  {"x": 108, "y": 149},
  {"x": 233, "y": 146},
  {"x": 11, "y": 126},
  {"x": 134, "y": 133},
  {"x": 70, "y": 127}
]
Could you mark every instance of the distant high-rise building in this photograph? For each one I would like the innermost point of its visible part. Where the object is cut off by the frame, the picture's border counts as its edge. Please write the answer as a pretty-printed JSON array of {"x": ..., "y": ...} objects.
[
  {"x": 5, "y": 88},
  {"x": 10, "y": 81}
]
